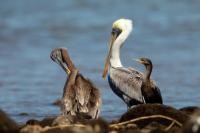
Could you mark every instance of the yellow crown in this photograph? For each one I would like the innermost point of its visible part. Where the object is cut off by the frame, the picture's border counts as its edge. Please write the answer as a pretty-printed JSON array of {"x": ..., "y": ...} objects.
[{"x": 120, "y": 23}]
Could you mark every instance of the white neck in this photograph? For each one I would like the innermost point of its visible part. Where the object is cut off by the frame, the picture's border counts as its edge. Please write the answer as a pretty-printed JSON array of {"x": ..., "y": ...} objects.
[{"x": 115, "y": 51}]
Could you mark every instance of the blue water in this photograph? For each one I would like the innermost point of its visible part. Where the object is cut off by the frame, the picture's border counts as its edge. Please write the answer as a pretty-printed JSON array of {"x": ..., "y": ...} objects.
[{"x": 166, "y": 31}]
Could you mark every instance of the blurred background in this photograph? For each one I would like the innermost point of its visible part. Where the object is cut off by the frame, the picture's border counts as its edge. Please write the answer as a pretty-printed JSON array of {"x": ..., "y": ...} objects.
[{"x": 168, "y": 32}]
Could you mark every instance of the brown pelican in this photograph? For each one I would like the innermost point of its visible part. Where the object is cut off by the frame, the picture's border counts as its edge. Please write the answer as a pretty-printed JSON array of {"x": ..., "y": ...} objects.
[
  {"x": 80, "y": 96},
  {"x": 125, "y": 82},
  {"x": 150, "y": 92}
]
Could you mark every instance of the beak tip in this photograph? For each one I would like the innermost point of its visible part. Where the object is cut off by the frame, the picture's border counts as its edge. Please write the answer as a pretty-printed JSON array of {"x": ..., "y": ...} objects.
[
  {"x": 137, "y": 60},
  {"x": 103, "y": 77}
]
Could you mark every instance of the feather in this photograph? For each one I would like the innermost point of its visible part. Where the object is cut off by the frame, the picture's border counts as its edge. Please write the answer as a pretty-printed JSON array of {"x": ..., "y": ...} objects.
[{"x": 127, "y": 82}]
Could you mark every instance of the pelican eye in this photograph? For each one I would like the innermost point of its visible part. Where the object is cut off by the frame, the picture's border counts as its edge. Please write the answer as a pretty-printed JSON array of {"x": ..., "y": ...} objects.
[{"x": 116, "y": 31}]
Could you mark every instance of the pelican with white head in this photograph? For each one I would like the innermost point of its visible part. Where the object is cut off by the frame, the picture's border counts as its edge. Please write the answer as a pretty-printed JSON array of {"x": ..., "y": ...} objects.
[{"x": 125, "y": 82}]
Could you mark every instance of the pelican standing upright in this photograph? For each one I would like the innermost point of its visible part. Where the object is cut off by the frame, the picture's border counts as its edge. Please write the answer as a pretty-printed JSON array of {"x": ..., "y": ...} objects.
[{"x": 125, "y": 82}]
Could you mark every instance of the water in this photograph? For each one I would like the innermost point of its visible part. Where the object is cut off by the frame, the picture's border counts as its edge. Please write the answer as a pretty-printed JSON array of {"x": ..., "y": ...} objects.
[{"x": 165, "y": 31}]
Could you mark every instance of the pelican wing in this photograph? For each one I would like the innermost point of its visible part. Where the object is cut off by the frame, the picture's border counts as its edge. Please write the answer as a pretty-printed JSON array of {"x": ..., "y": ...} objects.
[
  {"x": 88, "y": 96},
  {"x": 128, "y": 81},
  {"x": 82, "y": 94},
  {"x": 68, "y": 105}
]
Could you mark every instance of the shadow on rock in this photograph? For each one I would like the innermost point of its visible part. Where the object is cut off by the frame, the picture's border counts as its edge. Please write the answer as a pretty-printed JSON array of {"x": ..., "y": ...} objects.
[{"x": 7, "y": 125}]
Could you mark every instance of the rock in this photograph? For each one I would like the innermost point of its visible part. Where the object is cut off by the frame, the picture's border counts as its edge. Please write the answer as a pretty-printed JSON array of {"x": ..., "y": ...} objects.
[
  {"x": 47, "y": 121},
  {"x": 165, "y": 119},
  {"x": 98, "y": 125},
  {"x": 57, "y": 102},
  {"x": 154, "y": 109},
  {"x": 174, "y": 129},
  {"x": 190, "y": 109},
  {"x": 7, "y": 125},
  {"x": 155, "y": 126},
  {"x": 68, "y": 129},
  {"x": 89, "y": 126},
  {"x": 136, "y": 130},
  {"x": 32, "y": 129},
  {"x": 193, "y": 124},
  {"x": 43, "y": 123},
  {"x": 24, "y": 114},
  {"x": 33, "y": 122},
  {"x": 61, "y": 120},
  {"x": 70, "y": 119}
]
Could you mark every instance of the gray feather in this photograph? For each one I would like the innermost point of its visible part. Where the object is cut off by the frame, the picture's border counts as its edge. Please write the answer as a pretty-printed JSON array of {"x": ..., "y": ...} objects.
[{"x": 128, "y": 81}]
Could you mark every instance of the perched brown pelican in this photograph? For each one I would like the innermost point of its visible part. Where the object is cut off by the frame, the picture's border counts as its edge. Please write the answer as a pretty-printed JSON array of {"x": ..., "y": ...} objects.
[
  {"x": 150, "y": 92},
  {"x": 125, "y": 82},
  {"x": 80, "y": 96}
]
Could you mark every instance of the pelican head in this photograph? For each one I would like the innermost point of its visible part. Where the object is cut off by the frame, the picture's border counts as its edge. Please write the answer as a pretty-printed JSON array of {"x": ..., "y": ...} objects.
[
  {"x": 61, "y": 57},
  {"x": 120, "y": 31}
]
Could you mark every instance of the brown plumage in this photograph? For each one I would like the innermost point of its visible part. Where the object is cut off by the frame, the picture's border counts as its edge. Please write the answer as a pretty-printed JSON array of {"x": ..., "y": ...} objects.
[
  {"x": 80, "y": 96},
  {"x": 150, "y": 91}
]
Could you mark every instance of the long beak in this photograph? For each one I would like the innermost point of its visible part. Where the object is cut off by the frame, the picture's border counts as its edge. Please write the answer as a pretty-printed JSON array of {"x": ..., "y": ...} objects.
[
  {"x": 113, "y": 38},
  {"x": 64, "y": 66},
  {"x": 138, "y": 60}
]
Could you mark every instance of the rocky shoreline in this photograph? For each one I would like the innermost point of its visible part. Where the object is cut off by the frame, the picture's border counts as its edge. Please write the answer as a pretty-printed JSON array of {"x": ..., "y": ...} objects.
[{"x": 146, "y": 118}]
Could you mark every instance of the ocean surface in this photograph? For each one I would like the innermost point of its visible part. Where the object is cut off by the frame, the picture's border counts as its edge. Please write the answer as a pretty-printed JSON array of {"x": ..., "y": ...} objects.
[{"x": 167, "y": 32}]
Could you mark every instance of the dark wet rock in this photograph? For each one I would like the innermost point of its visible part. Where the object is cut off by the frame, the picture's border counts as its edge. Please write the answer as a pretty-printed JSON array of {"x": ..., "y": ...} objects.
[
  {"x": 79, "y": 118},
  {"x": 174, "y": 129},
  {"x": 7, "y": 125},
  {"x": 23, "y": 114},
  {"x": 97, "y": 125},
  {"x": 135, "y": 130},
  {"x": 57, "y": 102},
  {"x": 114, "y": 121},
  {"x": 47, "y": 121},
  {"x": 157, "y": 130},
  {"x": 154, "y": 126},
  {"x": 33, "y": 122},
  {"x": 138, "y": 119},
  {"x": 92, "y": 126},
  {"x": 123, "y": 128},
  {"x": 66, "y": 129},
  {"x": 43, "y": 123},
  {"x": 190, "y": 109},
  {"x": 154, "y": 109},
  {"x": 193, "y": 124},
  {"x": 86, "y": 126}
]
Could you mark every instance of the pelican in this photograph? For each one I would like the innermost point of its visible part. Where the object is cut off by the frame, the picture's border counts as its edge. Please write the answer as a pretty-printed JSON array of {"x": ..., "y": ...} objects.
[
  {"x": 125, "y": 82},
  {"x": 80, "y": 96},
  {"x": 150, "y": 92}
]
